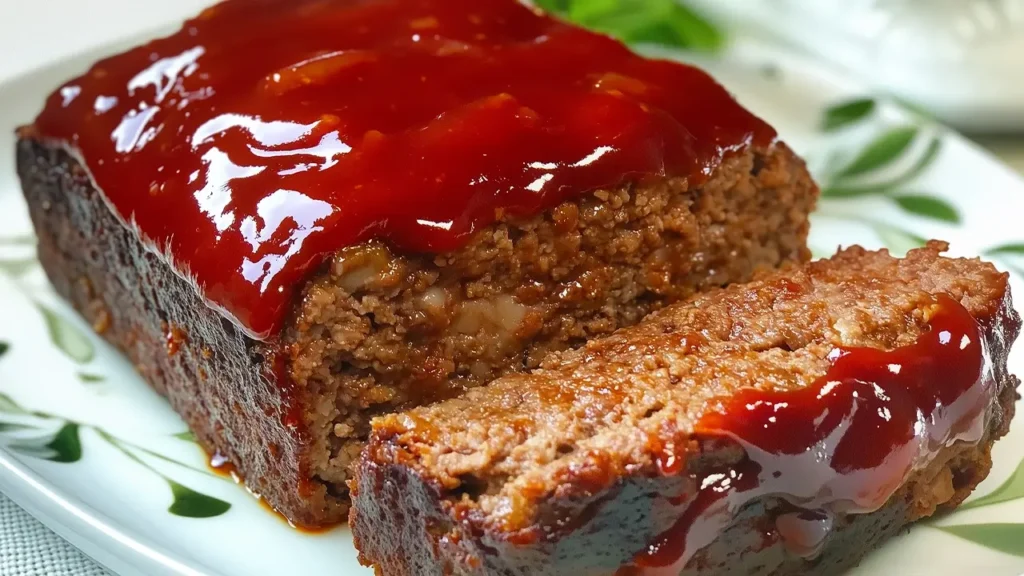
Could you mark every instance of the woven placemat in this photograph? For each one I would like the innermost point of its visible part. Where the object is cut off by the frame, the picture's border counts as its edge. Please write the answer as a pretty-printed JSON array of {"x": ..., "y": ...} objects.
[{"x": 27, "y": 548}]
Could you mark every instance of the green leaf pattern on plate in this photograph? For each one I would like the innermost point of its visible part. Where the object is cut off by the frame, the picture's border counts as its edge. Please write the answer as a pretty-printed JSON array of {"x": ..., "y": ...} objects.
[
  {"x": 860, "y": 177},
  {"x": 882, "y": 151},
  {"x": 65, "y": 447},
  {"x": 192, "y": 504},
  {"x": 1004, "y": 537},
  {"x": 9, "y": 406},
  {"x": 847, "y": 113},
  {"x": 1006, "y": 249},
  {"x": 842, "y": 189},
  {"x": 64, "y": 334},
  {"x": 928, "y": 207},
  {"x": 186, "y": 501},
  {"x": 31, "y": 450},
  {"x": 66, "y": 444},
  {"x": 1011, "y": 489},
  {"x": 26, "y": 240},
  {"x": 67, "y": 337},
  {"x": 15, "y": 268}
]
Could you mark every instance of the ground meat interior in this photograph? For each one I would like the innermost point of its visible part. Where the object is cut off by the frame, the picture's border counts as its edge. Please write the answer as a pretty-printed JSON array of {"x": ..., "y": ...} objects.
[{"x": 379, "y": 331}]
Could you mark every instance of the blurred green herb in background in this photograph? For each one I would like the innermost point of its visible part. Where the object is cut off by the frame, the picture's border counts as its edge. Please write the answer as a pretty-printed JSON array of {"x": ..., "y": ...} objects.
[{"x": 666, "y": 22}]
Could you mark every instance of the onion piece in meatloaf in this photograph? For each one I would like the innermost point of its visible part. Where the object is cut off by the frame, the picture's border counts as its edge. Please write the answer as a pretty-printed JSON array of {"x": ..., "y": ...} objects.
[
  {"x": 785, "y": 426},
  {"x": 295, "y": 215}
]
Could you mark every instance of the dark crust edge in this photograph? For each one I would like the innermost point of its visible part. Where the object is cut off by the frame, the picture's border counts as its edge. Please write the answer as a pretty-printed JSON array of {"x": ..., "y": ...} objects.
[
  {"x": 226, "y": 386},
  {"x": 404, "y": 526}
]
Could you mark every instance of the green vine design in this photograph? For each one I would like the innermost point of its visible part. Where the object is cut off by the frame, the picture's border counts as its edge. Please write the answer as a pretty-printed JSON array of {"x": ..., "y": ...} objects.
[
  {"x": 58, "y": 439},
  {"x": 883, "y": 151},
  {"x": 1004, "y": 537},
  {"x": 67, "y": 337},
  {"x": 23, "y": 240},
  {"x": 859, "y": 177},
  {"x": 847, "y": 113}
]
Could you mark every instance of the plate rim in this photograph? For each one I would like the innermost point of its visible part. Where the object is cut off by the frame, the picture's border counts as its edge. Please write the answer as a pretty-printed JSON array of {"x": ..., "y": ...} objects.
[{"x": 86, "y": 528}]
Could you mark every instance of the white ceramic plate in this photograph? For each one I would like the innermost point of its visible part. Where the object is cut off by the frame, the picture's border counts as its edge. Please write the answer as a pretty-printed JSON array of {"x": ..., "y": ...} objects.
[{"x": 87, "y": 448}]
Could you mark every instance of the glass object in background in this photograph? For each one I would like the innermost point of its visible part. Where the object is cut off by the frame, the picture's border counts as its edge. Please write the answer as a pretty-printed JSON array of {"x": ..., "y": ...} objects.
[{"x": 963, "y": 60}]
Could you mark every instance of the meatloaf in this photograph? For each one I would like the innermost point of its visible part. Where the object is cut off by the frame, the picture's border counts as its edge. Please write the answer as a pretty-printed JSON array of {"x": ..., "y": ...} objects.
[
  {"x": 785, "y": 426},
  {"x": 293, "y": 216}
]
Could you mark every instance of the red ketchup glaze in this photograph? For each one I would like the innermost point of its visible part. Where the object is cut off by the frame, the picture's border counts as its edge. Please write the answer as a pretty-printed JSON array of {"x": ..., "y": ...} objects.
[
  {"x": 844, "y": 444},
  {"x": 267, "y": 134}
]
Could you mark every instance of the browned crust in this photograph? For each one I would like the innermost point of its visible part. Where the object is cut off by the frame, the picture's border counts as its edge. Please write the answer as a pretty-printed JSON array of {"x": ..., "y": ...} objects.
[
  {"x": 222, "y": 383},
  {"x": 553, "y": 472},
  {"x": 257, "y": 404}
]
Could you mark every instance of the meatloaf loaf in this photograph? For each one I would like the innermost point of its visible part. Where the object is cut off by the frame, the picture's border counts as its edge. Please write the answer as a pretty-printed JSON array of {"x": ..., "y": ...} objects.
[
  {"x": 293, "y": 216},
  {"x": 785, "y": 426}
]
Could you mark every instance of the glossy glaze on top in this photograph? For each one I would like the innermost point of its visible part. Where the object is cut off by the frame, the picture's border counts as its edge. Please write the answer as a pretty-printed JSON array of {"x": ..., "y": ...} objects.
[
  {"x": 844, "y": 444},
  {"x": 267, "y": 134}
]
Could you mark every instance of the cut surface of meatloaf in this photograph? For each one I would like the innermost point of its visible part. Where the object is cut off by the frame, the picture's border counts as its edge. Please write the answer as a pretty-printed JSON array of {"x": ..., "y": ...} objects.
[
  {"x": 784, "y": 426},
  {"x": 285, "y": 256}
]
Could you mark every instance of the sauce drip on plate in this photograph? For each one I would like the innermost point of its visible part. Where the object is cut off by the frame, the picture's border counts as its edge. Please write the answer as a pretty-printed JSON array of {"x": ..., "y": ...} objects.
[
  {"x": 267, "y": 134},
  {"x": 220, "y": 465},
  {"x": 844, "y": 444}
]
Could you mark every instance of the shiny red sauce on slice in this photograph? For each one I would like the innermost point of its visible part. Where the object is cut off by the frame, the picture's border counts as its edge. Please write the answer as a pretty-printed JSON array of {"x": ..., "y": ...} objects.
[
  {"x": 267, "y": 134},
  {"x": 842, "y": 445}
]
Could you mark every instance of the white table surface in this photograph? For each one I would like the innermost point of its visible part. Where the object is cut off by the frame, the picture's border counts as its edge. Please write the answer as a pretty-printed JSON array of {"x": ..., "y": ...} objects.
[{"x": 37, "y": 32}]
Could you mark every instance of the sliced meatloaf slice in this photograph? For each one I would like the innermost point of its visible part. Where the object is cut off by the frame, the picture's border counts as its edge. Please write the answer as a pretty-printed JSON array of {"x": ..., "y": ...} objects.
[{"x": 785, "y": 426}]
